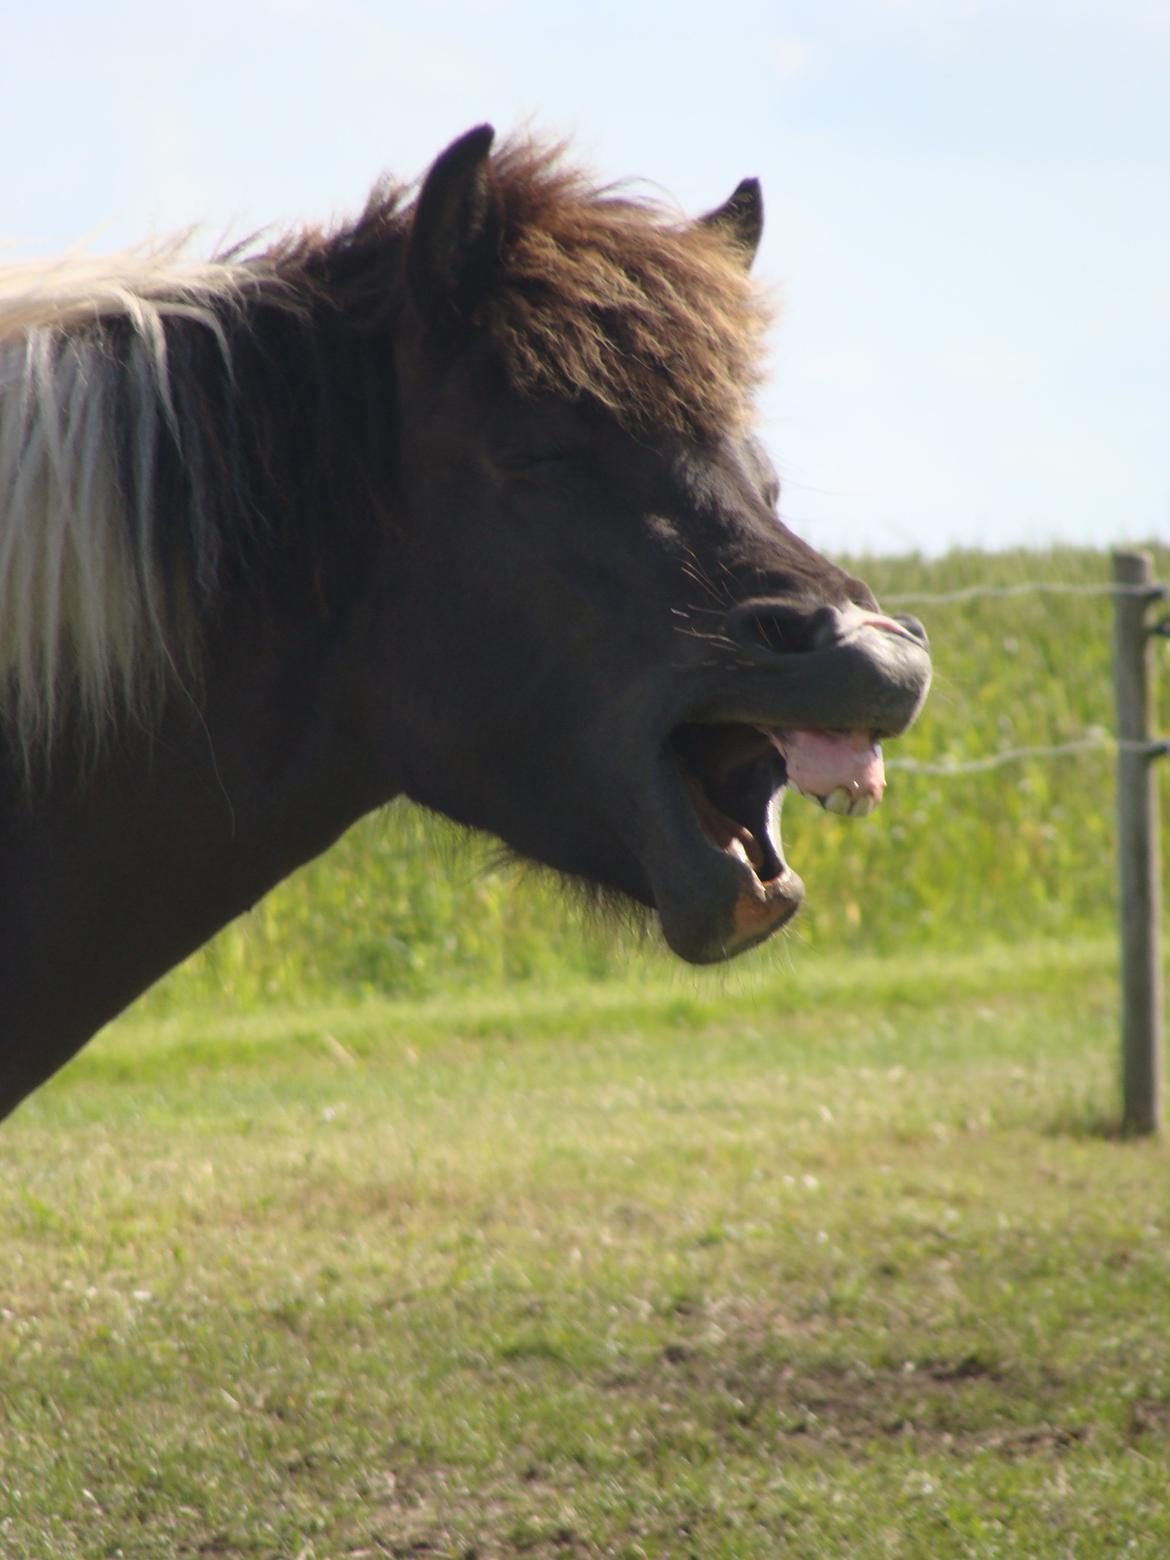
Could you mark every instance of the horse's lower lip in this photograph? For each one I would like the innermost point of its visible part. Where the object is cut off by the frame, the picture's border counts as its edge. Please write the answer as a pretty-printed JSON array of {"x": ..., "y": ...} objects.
[
  {"x": 711, "y": 901},
  {"x": 740, "y": 912},
  {"x": 762, "y": 908}
]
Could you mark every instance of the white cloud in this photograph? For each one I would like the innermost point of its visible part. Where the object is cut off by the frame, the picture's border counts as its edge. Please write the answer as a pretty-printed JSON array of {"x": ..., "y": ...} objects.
[{"x": 790, "y": 57}]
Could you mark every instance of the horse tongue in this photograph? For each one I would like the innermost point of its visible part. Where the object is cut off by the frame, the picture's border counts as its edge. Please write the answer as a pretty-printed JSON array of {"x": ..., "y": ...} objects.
[{"x": 842, "y": 770}]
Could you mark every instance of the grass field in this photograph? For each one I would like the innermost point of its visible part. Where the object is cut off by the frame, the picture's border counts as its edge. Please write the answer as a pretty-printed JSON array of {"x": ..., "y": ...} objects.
[
  {"x": 424, "y": 1216},
  {"x": 825, "y": 1259}
]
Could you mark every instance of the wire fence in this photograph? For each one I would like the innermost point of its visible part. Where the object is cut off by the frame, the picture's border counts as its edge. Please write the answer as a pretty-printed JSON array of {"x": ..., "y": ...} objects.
[
  {"x": 1094, "y": 741},
  {"x": 1133, "y": 590},
  {"x": 1023, "y": 588}
]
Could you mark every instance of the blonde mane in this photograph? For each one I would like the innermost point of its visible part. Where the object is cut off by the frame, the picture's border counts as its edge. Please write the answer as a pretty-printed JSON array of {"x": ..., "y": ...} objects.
[{"x": 79, "y": 590}]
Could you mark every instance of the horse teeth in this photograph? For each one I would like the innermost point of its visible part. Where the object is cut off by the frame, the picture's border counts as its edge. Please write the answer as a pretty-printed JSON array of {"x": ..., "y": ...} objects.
[
  {"x": 735, "y": 847},
  {"x": 849, "y": 804}
]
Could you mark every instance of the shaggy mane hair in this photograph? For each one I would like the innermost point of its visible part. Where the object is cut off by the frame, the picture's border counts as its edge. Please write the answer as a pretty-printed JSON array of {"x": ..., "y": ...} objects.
[
  {"x": 622, "y": 302},
  {"x": 150, "y": 443}
]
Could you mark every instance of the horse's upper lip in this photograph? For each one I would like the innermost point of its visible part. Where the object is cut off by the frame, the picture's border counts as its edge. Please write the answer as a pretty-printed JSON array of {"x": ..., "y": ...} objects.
[{"x": 873, "y": 678}]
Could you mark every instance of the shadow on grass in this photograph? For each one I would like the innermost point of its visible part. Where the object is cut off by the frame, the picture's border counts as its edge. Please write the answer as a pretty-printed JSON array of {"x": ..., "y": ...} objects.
[{"x": 1091, "y": 1120}]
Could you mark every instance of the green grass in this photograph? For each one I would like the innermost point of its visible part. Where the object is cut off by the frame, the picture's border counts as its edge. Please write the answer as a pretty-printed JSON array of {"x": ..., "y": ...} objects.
[{"x": 813, "y": 1260}]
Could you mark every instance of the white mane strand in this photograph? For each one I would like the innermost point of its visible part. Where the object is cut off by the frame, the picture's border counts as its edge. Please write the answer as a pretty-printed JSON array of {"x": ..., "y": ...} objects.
[{"x": 85, "y": 399}]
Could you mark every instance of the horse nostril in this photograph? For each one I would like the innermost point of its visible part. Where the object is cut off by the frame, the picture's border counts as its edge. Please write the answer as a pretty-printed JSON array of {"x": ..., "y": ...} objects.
[
  {"x": 912, "y": 626},
  {"x": 775, "y": 626},
  {"x": 779, "y": 627}
]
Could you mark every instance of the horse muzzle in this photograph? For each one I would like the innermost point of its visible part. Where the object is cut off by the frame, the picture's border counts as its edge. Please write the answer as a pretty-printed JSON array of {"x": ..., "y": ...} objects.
[{"x": 803, "y": 700}]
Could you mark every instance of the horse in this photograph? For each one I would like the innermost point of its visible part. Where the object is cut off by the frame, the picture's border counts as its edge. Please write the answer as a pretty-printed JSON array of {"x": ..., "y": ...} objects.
[{"x": 459, "y": 500}]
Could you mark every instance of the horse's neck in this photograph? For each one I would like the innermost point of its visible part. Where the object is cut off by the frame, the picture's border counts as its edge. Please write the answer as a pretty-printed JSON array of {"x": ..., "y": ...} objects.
[{"x": 106, "y": 887}]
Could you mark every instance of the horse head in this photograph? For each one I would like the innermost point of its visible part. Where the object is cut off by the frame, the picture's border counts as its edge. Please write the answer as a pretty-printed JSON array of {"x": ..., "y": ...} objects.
[{"x": 604, "y": 646}]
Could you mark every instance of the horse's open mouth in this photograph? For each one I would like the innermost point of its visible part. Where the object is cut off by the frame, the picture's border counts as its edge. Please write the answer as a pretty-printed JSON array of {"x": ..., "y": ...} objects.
[
  {"x": 708, "y": 836},
  {"x": 735, "y": 780},
  {"x": 735, "y": 775}
]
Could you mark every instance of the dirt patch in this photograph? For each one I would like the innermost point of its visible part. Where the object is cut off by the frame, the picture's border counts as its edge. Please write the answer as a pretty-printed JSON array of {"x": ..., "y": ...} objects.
[
  {"x": 949, "y": 1404},
  {"x": 1149, "y": 1417}
]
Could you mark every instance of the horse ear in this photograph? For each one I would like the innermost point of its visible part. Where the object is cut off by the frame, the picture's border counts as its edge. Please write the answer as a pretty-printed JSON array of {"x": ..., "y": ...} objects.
[
  {"x": 452, "y": 249},
  {"x": 742, "y": 218}
]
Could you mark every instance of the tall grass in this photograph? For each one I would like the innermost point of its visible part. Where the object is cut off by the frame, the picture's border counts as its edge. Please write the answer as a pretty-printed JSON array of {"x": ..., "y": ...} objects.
[{"x": 406, "y": 905}]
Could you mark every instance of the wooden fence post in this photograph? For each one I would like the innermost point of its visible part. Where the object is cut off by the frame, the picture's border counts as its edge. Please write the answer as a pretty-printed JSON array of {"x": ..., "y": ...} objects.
[{"x": 1139, "y": 910}]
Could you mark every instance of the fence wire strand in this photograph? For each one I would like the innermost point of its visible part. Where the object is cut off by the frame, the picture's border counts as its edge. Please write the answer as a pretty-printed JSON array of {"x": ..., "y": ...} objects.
[
  {"x": 1026, "y": 588},
  {"x": 1094, "y": 742},
  {"x": 974, "y": 766}
]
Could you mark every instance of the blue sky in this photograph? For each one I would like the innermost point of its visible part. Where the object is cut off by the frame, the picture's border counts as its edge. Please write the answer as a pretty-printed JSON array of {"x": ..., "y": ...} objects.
[{"x": 968, "y": 202}]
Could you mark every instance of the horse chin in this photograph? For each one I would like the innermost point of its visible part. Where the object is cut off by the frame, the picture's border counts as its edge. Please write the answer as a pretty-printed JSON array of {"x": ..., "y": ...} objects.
[
  {"x": 739, "y": 911},
  {"x": 712, "y": 851}
]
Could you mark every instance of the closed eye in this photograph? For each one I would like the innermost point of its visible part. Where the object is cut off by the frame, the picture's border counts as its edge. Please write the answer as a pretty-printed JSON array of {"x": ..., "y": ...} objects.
[{"x": 529, "y": 462}]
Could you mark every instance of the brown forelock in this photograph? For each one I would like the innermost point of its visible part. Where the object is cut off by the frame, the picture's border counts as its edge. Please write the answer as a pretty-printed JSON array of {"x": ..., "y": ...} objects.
[{"x": 621, "y": 301}]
